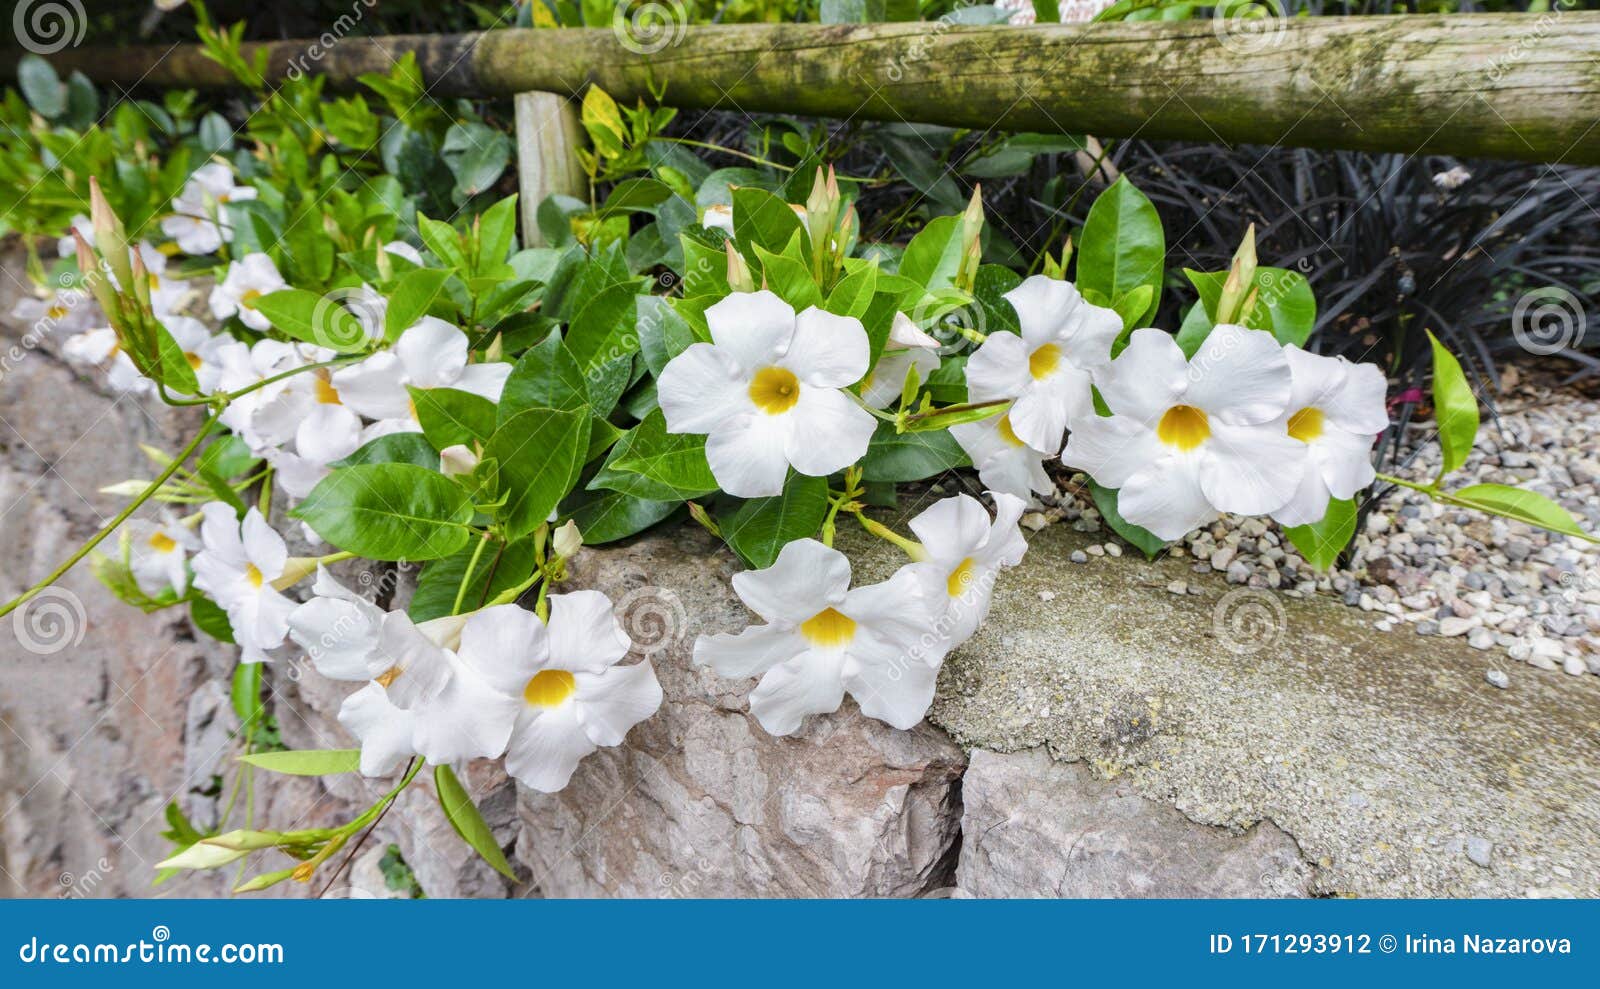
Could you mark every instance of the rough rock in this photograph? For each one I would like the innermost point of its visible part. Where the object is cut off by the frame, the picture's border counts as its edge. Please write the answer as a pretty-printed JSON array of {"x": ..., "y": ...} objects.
[{"x": 1035, "y": 827}]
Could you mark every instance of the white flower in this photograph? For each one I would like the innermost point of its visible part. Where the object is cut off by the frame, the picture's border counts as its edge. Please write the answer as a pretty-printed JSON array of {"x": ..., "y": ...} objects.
[
  {"x": 965, "y": 554},
  {"x": 908, "y": 346},
  {"x": 1336, "y": 409},
  {"x": 821, "y": 638},
  {"x": 203, "y": 349},
  {"x": 1189, "y": 439},
  {"x": 401, "y": 249},
  {"x": 198, "y": 208},
  {"x": 248, "y": 278},
  {"x": 237, "y": 568},
  {"x": 431, "y": 354},
  {"x": 66, "y": 246},
  {"x": 769, "y": 393},
  {"x": 1047, "y": 368},
  {"x": 72, "y": 310},
  {"x": 573, "y": 696},
  {"x": 100, "y": 348},
  {"x": 1021, "y": 12},
  {"x": 158, "y": 555},
  {"x": 243, "y": 366},
  {"x": 1004, "y": 462}
]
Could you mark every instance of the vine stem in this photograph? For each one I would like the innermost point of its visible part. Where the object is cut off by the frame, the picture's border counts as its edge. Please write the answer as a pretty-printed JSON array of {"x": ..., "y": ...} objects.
[
  {"x": 472, "y": 567},
  {"x": 116, "y": 521}
]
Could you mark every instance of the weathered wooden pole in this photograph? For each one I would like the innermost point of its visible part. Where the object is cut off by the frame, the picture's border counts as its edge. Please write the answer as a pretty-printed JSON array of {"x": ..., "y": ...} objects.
[
  {"x": 1495, "y": 85},
  {"x": 548, "y": 137}
]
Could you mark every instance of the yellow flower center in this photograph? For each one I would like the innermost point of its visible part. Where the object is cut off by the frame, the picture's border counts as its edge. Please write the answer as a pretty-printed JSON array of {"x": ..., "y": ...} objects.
[
  {"x": 828, "y": 629},
  {"x": 193, "y": 359},
  {"x": 389, "y": 676},
  {"x": 549, "y": 688},
  {"x": 162, "y": 543},
  {"x": 1043, "y": 362},
  {"x": 155, "y": 280},
  {"x": 56, "y": 311},
  {"x": 1306, "y": 425},
  {"x": 775, "y": 390},
  {"x": 326, "y": 393},
  {"x": 1006, "y": 432},
  {"x": 252, "y": 573},
  {"x": 959, "y": 578},
  {"x": 1184, "y": 427},
  {"x": 249, "y": 296}
]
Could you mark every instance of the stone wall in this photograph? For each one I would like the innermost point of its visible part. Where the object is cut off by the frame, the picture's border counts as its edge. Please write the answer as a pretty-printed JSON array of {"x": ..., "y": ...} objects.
[{"x": 1102, "y": 736}]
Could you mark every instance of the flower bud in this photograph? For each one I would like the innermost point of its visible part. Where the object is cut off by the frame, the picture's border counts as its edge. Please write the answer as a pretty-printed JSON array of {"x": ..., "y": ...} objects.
[
  {"x": 202, "y": 855},
  {"x": 567, "y": 540},
  {"x": 739, "y": 277},
  {"x": 457, "y": 460},
  {"x": 263, "y": 881}
]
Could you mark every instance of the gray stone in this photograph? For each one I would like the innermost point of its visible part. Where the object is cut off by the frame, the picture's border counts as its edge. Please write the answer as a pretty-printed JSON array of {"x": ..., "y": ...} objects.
[
  {"x": 1035, "y": 827},
  {"x": 1479, "y": 850}
]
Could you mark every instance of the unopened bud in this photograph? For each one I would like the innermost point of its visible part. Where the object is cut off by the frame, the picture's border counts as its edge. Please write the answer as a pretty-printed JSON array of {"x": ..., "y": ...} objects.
[
  {"x": 202, "y": 855},
  {"x": 567, "y": 540},
  {"x": 457, "y": 460},
  {"x": 263, "y": 881},
  {"x": 739, "y": 277}
]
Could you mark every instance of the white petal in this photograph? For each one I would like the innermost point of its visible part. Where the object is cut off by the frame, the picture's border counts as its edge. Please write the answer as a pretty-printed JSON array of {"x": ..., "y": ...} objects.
[
  {"x": 811, "y": 683},
  {"x": 1239, "y": 376},
  {"x": 826, "y": 432},
  {"x": 1041, "y": 414},
  {"x": 1147, "y": 378},
  {"x": 753, "y": 327},
  {"x": 433, "y": 353},
  {"x": 1343, "y": 461},
  {"x": 907, "y": 335},
  {"x": 424, "y": 668},
  {"x": 700, "y": 388},
  {"x": 1309, "y": 503},
  {"x": 827, "y": 351},
  {"x": 505, "y": 645},
  {"x": 339, "y": 636},
  {"x": 998, "y": 369},
  {"x": 1165, "y": 497},
  {"x": 805, "y": 578},
  {"x": 746, "y": 456},
  {"x": 1360, "y": 406},
  {"x": 887, "y": 685},
  {"x": 952, "y": 528},
  {"x": 1042, "y": 306},
  {"x": 612, "y": 702},
  {"x": 1250, "y": 470},
  {"x": 484, "y": 380},
  {"x": 546, "y": 746},
  {"x": 383, "y": 729},
  {"x": 375, "y": 387},
  {"x": 750, "y": 653},
  {"x": 898, "y": 615},
  {"x": 585, "y": 634},
  {"x": 1111, "y": 449},
  {"x": 467, "y": 720},
  {"x": 263, "y": 545},
  {"x": 1005, "y": 545},
  {"x": 328, "y": 433},
  {"x": 888, "y": 377}
]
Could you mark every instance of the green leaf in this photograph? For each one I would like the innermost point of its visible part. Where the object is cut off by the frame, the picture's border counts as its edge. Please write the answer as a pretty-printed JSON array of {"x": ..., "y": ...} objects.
[
  {"x": 389, "y": 512},
  {"x": 40, "y": 85},
  {"x": 934, "y": 254},
  {"x": 464, "y": 817},
  {"x": 603, "y": 330},
  {"x": 1455, "y": 407},
  {"x": 651, "y": 463},
  {"x": 895, "y": 456},
  {"x": 1147, "y": 542},
  {"x": 547, "y": 376},
  {"x": 1122, "y": 247},
  {"x": 227, "y": 456},
  {"x": 410, "y": 300},
  {"x": 663, "y": 334},
  {"x": 761, "y": 219},
  {"x": 450, "y": 417},
  {"x": 395, "y": 448},
  {"x": 606, "y": 516},
  {"x": 246, "y": 694},
  {"x": 442, "y": 239},
  {"x": 1322, "y": 542},
  {"x": 853, "y": 294},
  {"x": 760, "y": 528},
  {"x": 541, "y": 453},
  {"x": 1285, "y": 306},
  {"x": 209, "y": 618},
  {"x": 313, "y": 318},
  {"x": 476, "y": 154},
  {"x": 306, "y": 762},
  {"x": 176, "y": 371},
  {"x": 788, "y": 278},
  {"x": 499, "y": 569},
  {"x": 1521, "y": 504},
  {"x": 497, "y": 233}
]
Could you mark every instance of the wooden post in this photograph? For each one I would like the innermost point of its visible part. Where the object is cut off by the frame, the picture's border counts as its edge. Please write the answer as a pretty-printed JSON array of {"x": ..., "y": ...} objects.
[{"x": 548, "y": 138}]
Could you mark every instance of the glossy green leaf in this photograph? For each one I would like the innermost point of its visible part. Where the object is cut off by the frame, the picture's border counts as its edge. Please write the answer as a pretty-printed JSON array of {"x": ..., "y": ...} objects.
[
  {"x": 895, "y": 456},
  {"x": 1521, "y": 504},
  {"x": 500, "y": 568},
  {"x": 306, "y": 762},
  {"x": 246, "y": 692},
  {"x": 541, "y": 453},
  {"x": 606, "y": 516},
  {"x": 761, "y": 219},
  {"x": 653, "y": 464},
  {"x": 463, "y": 815},
  {"x": 547, "y": 376},
  {"x": 450, "y": 417},
  {"x": 395, "y": 448},
  {"x": 389, "y": 512},
  {"x": 761, "y": 527},
  {"x": 934, "y": 254},
  {"x": 1322, "y": 542},
  {"x": 412, "y": 296},
  {"x": 1122, "y": 247},
  {"x": 313, "y": 318},
  {"x": 1455, "y": 408}
]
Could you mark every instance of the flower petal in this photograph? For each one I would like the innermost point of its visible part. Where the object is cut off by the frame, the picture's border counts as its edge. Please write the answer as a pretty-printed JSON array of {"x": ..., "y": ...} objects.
[
  {"x": 375, "y": 387},
  {"x": 1360, "y": 405},
  {"x": 612, "y": 702},
  {"x": 585, "y": 634},
  {"x": 805, "y": 578},
  {"x": 383, "y": 729},
  {"x": 1308, "y": 504},
  {"x": 1165, "y": 497},
  {"x": 505, "y": 645},
  {"x": 746, "y": 455},
  {"x": 262, "y": 544},
  {"x": 1251, "y": 470},
  {"x": 887, "y": 685},
  {"x": 1041, "y": 414},
  {"x": 1343, "y": 461},
  {"x": 811, "y": 683},
  {"x": 1147, "y": 378},
  {"x": 546, "y": 747},
  {"x": 749, "y": 653},
  {"x": 700, "y": 388},
  {"x": 952, "y": 528},
  {"x": 1239, "y": 376},
  {"x": 433, "y": 353},
  {"x": 1111, "y": 449},
  {"x": 753, "y": 327},
  {"x": 467, "y": 720},
  {"x": 827, "y": 351},
  {"x": 484, "y": 380},
  {"x": 825, "y": 432},
  {"x": 998, "y": 369},
  {"x": 423, "y": 668}
]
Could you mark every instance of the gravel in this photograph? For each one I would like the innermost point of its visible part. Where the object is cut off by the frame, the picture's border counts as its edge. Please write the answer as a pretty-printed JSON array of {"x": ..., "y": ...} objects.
[{"x": 1422, "y": 567}]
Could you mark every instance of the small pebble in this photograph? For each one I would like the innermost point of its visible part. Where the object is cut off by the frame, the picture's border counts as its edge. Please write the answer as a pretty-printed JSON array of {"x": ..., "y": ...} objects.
[
  {"x": 1079, "y": 556},
  {"x": 1498, "y": 678},
  {"x": 1479, "y": 850},
  {"x": 1178, "y": 587}
]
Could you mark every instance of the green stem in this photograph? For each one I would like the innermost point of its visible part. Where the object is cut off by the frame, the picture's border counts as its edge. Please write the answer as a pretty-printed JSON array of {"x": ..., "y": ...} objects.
[
  {"x": 120, "y": 518},
  {"x": 911, "y": 547},
  {"x": 472, "y": 567}
]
